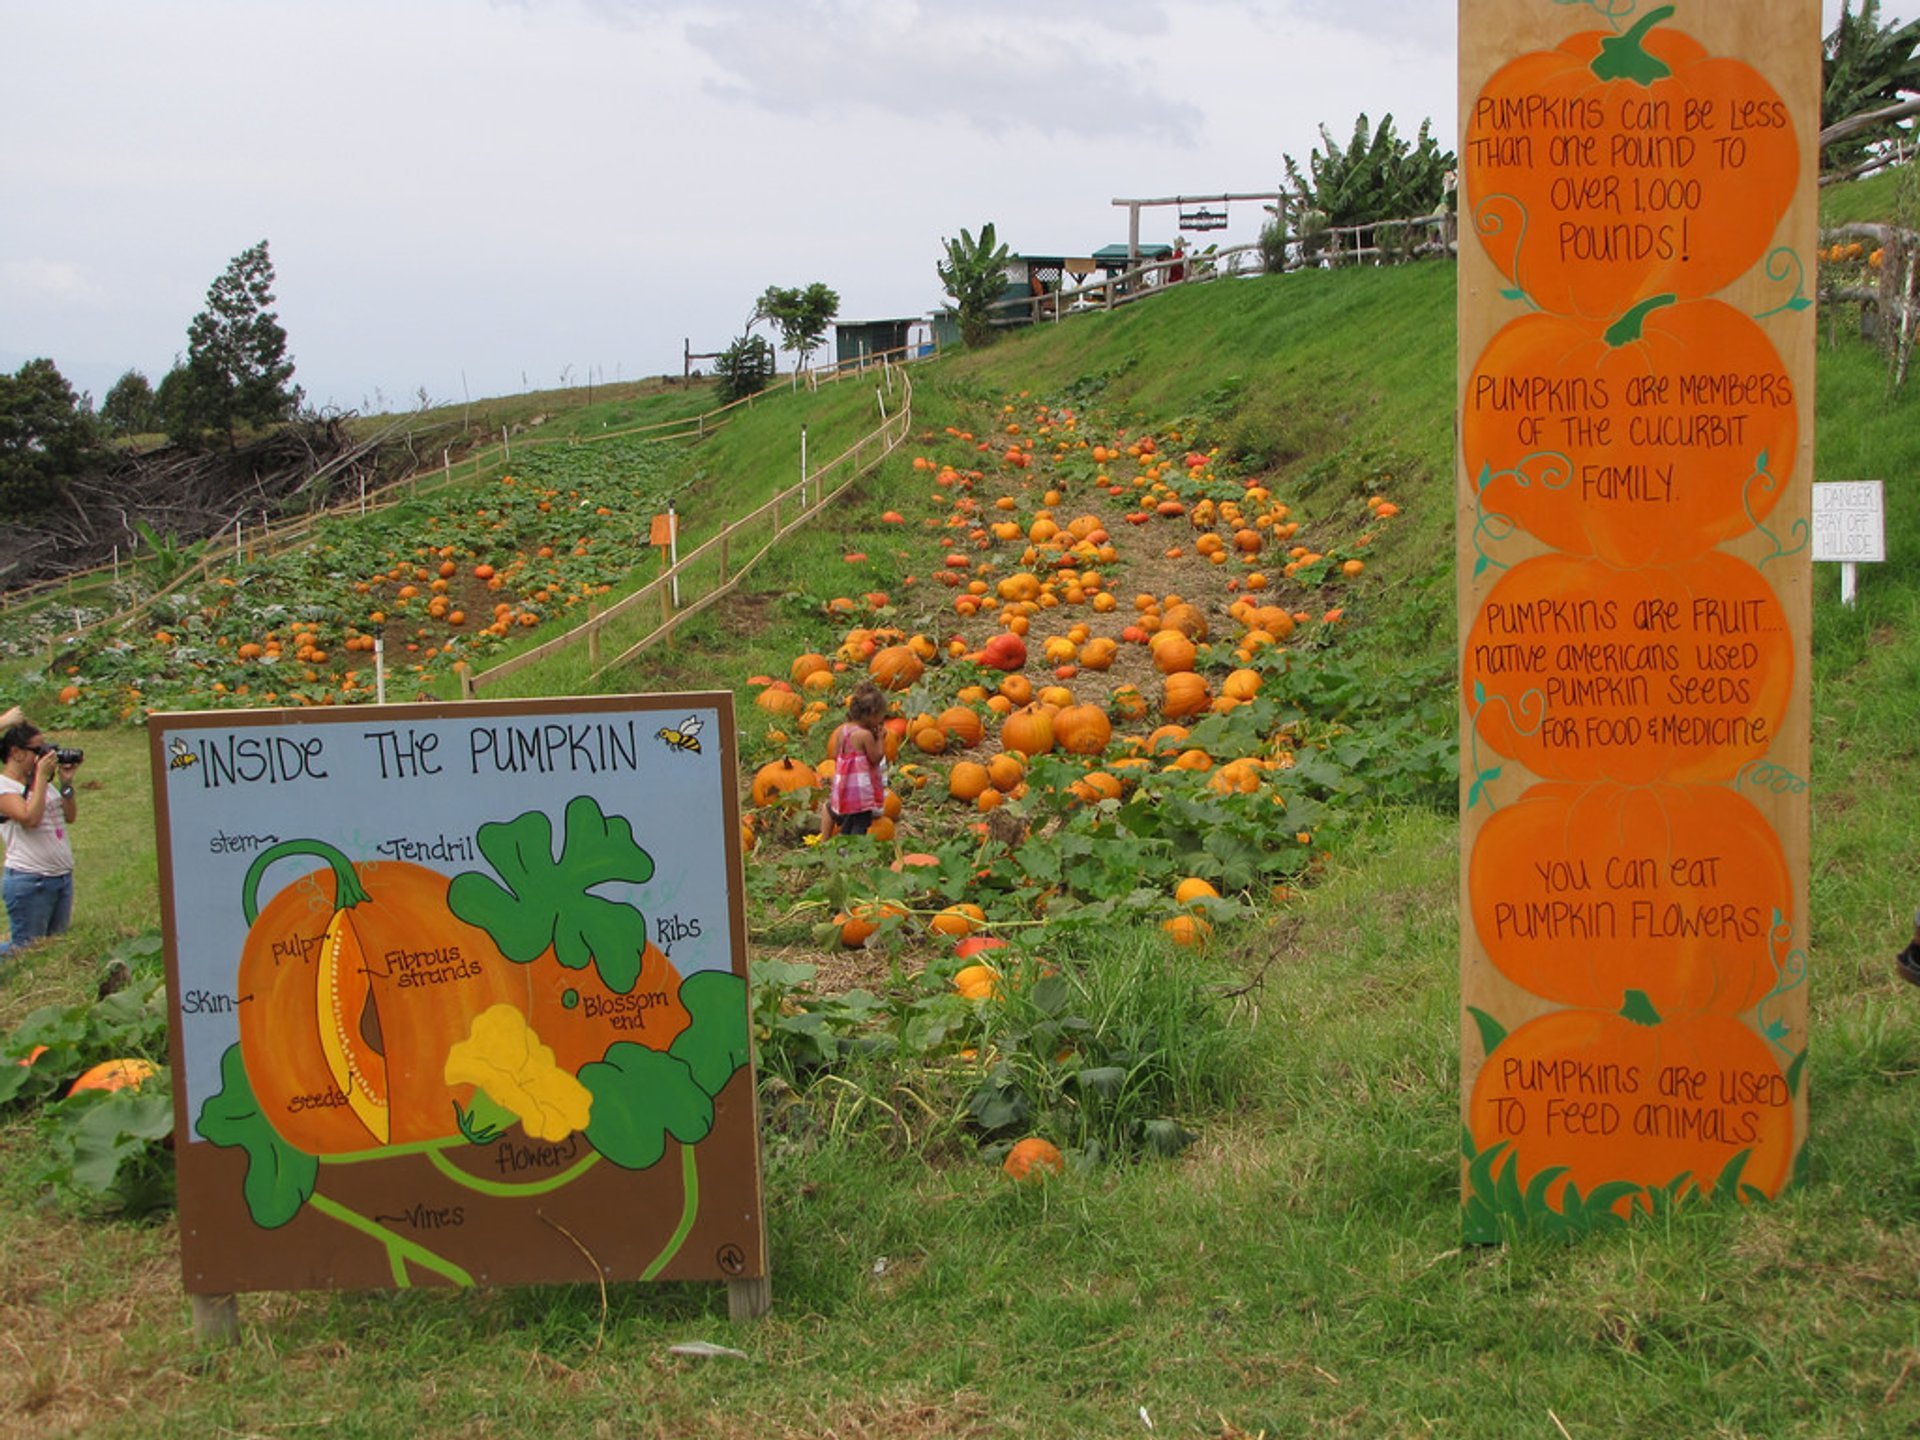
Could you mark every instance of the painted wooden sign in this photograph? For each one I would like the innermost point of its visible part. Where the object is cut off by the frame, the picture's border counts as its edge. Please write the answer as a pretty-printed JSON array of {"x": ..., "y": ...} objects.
[
  {"x": 1635, "y": 433},
  {"x": 459, "y": 994}
]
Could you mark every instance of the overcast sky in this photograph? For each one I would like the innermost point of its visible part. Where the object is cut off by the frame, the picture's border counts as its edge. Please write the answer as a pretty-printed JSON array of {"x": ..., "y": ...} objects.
[{"x": 482, "y": 196}]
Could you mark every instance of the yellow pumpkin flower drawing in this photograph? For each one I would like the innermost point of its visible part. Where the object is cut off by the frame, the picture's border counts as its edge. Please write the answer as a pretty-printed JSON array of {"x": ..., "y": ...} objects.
[{"x": 502, "y": 1056}]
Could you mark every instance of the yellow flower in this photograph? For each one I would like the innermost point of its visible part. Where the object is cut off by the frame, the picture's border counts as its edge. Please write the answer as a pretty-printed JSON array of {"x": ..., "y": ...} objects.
[{"x": 503, "y": 1056}]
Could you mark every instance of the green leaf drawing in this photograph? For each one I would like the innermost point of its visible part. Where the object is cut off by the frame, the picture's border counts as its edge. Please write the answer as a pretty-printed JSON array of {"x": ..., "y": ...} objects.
[
  {"x": 547, "y": 902},
  {"x": 280, "y": 1179},
  {"x": 640, "y": 1097},
  {"x": 715, "y": 1043},
  {"x": 1492, "y": 1032}
]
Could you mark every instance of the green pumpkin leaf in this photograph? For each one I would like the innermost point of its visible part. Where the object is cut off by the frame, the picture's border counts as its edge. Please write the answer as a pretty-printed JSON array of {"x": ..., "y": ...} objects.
[
  {"x": 640, "y": 1097},
  {"x": 549, "y": 903},
  {"x": 715, "y": 1044},
  {"x": 280, "y": 1179}
]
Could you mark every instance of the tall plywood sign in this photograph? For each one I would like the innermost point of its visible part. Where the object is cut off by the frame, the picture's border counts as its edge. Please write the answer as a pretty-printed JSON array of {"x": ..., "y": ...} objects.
[
  {"x": 460, "y": 994},
  {"x": 1635, "y": 459}
]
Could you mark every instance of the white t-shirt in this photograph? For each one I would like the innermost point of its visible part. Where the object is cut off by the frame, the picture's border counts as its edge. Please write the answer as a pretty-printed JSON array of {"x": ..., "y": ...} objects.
[{"x": 44, "y": 849}]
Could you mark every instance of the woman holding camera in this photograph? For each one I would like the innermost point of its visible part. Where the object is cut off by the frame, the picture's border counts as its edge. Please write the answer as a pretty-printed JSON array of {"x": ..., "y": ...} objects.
[{"x": 37, "y": 804}]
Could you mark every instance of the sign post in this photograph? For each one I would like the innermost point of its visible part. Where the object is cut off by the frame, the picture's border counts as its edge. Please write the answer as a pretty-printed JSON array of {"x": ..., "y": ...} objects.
[
  {"x": 1635, "y": 429},
  {"x": 460, "y": 996}
]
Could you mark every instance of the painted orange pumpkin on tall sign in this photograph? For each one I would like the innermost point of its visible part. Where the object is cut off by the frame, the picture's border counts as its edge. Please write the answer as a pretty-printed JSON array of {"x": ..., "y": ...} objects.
[
  {"x": 1645, "y": 441},
  {"x": 1581, "y": 893},
  {"x": 1615, "y": 167}
]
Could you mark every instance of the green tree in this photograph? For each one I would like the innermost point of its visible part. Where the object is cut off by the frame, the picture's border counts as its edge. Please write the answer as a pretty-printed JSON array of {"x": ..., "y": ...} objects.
[
  {"x": 47, "y": 434},
  {"x": 237, "y": 370},
  {"x": 802, "y": 316},
  {"x": 1866, "y": 67},
  {"x": 744, "y": 368},
  {"x": 1377, "y": 176},
  {"x": 130, "y": 406},
  {"x": 974, "y": 275}
]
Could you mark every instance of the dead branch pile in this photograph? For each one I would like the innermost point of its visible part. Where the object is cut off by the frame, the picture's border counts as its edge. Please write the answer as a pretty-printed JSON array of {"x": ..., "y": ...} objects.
[{"x": 184, "y": 495}]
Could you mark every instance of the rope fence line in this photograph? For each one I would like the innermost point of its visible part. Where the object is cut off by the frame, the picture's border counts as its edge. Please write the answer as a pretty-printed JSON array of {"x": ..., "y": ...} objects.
[{"x": 857, "y": 461}]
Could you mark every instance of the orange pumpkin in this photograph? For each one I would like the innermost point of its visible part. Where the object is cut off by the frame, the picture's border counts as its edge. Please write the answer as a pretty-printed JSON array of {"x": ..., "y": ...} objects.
[
  {"x": 967, "y": 779},
  {"x": 1033, "y": 1159},
  {"x": 1602, "y": 1097},
  {"x": 1028, "y": 730},
  {"x": 1580, "y": 893},
  {"x": 782, "y": 777},
  {"x": 1615, "y": 202},
  {"x": 896, "y": 667},
  {"x": 1184, "y": 694},
  {"x": 361, "y": 981},
  {"x": 962, "y": 724},
  {"x": 1675, "y": 474},
  {"x": 1082, "y": 729}
]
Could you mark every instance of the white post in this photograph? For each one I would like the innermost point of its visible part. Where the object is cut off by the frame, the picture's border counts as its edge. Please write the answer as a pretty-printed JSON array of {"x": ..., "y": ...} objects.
[
  {"x": 673, "y": 551},
  {"x": 505, "y": 443},
  {"x": 363, "y": 494},
  {"x": 236, "y": 539},
  {"x": 379, "y": 671},
  {"x": 116, "y": 562},
  {"x": 803, "y": 467},
  {"x": 881, "y": 401},
  {"x": 887, "y": 365},
  {"x": 1849, "y": 578},
  {"x": 446, "y": 464}
]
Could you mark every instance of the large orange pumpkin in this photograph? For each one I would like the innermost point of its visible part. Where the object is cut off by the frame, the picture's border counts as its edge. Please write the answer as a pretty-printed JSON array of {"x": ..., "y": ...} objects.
[
  {"x": 1581, "y": 893},
  {"x": 1028, "y": 730},
  {"x": 1581, "y": 671},
  {"x": 1082, "y": 729},
  {"x": 1589, "y": 192},
  {"x": 1600, "y": 1097},
  {"x": 782, "y": 777},
  {"x": 361, "y": 981},
  {"x": 1620, "y": 440},
  {"x": 895, "y": 668},
  {"x": 1184, "y": 694}
]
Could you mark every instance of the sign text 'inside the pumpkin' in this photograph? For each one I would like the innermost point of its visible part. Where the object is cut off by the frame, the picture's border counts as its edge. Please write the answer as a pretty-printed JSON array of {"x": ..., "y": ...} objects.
[{"x": 402, "y": 753}]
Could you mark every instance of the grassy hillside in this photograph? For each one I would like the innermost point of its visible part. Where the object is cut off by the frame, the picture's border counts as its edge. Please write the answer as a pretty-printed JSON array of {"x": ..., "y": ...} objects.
[{"x": 1296, "y": 1270}]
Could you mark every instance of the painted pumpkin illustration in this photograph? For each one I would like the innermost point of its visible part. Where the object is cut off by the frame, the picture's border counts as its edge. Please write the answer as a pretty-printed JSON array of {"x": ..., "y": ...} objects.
[
  {"x": 1591, "y": 1099},
  {"x": 361, "y": 982},
  {"x": 1582, "y": 892},
  {"x": 1582, "y": 671},
  {"x": 1616, "y": 167},
  {"x": 1643, "y": 442}
]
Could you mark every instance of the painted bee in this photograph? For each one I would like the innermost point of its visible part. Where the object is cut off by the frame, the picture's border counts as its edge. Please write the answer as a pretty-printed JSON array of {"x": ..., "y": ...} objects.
[
  {"x": 178, "y": 756},
  {"x": 685, "y": 736}
]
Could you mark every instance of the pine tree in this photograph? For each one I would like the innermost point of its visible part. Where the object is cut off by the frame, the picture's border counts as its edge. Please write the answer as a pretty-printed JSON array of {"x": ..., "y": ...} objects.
[{"x": 237, "y": 371}]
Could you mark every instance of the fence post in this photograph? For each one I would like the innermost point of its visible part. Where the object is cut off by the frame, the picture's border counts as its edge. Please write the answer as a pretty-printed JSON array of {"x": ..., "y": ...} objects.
[
  {"x": 725, "y": 535},
  {"x": 593, "y": 633}
]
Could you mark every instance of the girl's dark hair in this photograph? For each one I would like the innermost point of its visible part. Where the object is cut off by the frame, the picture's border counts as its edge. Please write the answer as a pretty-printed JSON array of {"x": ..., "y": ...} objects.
[
  {"x": 867, "y": 700},
  {"x": 18, "y": 737}
]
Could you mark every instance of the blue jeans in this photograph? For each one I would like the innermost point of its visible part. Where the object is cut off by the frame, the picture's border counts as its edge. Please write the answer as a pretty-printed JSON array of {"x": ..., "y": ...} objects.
[{"x": 37, "y": 906}]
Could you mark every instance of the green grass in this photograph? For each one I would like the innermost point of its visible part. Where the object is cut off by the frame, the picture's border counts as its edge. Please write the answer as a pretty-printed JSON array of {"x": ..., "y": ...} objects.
[{"x": 1297, "y": 1271}]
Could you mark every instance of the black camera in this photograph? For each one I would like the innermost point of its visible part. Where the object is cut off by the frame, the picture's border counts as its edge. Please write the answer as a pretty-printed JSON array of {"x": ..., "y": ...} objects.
[{"x": 70, "y": 757}]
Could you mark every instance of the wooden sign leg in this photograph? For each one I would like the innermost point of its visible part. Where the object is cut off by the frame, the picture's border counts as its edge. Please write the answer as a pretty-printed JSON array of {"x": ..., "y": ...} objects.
[
  {"x": 749, "y": 1299},
  {"x": 216, "y": 1318}
]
